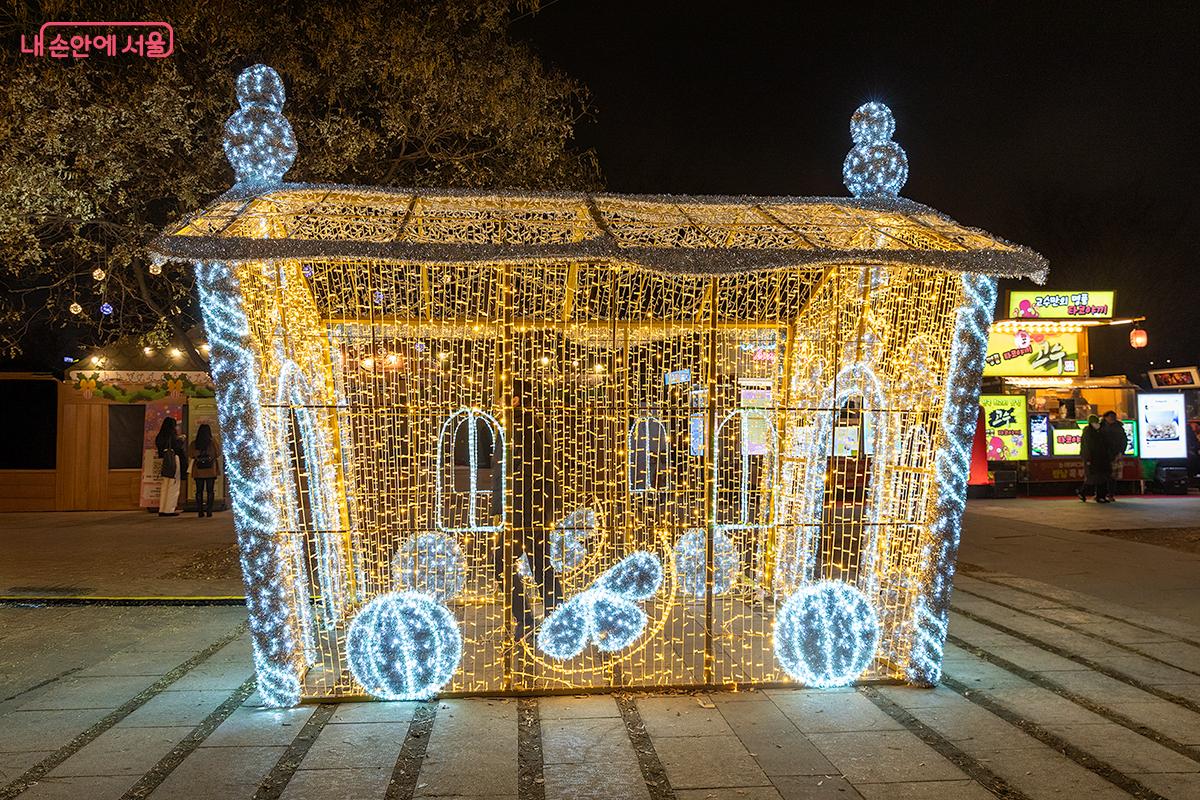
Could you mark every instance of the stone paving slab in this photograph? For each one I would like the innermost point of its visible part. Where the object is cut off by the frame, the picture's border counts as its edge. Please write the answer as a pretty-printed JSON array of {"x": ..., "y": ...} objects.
[
  {"x": 122, "y": 751},
  {"x": 260, "y": 727},
  {"x": 338, "y": 784},
  {"x": 219, "y": 773}
]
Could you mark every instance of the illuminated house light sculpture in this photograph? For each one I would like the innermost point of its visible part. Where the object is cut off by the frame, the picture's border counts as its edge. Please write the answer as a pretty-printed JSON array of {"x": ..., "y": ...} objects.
[{"x": 543, "y": 399}]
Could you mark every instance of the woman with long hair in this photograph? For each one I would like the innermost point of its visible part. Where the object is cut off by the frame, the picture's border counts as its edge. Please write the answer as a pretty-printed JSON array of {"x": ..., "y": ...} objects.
[
  {"x": 206, "y": 466},
  {"x": 170, "y": 451}
]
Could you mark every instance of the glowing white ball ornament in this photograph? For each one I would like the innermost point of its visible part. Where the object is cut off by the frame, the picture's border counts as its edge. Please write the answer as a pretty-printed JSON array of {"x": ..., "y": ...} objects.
[
  {"x": 826, "y": 634},
  {"x": 430, "y": 563},
  {"x": 568, "y": 540},
  {"x": 403, "y": 646}
]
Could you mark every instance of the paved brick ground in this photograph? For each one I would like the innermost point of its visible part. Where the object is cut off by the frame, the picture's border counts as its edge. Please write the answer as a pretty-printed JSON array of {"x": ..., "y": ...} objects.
[{"x": 1050, "y": 692}]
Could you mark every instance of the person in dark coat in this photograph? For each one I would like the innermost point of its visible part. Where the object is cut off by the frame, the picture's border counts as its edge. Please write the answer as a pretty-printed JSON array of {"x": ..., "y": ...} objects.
[
  {"x": 535, "y": 508},
  {"x": 1097, "y": 465},
  {"x": 1117, "y": 440}
]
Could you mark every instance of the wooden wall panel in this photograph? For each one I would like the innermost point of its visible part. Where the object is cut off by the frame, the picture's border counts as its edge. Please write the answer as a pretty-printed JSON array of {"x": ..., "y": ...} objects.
[{"x": 27, "y": 489}]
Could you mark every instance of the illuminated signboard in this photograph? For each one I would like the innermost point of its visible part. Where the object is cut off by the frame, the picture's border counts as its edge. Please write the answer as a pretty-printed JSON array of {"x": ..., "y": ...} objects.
[
  {"x": 1004, "y": 426},
  {"x": 1022, "y": 353},
  {"x": 1179, "y": 378},
  {"x": 1162, "y": 426},
  {"x": 1068, "y": 443},
  {"x": 1060, "y": 305},
  {"x": 1039, "y": 435}
]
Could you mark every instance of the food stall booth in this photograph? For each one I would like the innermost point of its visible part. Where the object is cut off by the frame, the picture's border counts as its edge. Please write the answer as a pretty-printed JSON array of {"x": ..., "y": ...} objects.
[{"x": 1038, "y": 392}]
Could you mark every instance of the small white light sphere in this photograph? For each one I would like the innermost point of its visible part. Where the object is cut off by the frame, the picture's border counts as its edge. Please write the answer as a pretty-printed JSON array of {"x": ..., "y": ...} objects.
[
  {"x": 260, "y": 86},
  {"x": 872, "y": 122},
  {"x": 826, "y": 634},
  {"x": 403, "y": 646},
  {"x": 691, "y": 561}
]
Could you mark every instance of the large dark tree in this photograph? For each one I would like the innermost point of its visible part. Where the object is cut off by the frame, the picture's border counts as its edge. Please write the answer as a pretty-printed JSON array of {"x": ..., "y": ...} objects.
[{"x": 98, "y": 154}]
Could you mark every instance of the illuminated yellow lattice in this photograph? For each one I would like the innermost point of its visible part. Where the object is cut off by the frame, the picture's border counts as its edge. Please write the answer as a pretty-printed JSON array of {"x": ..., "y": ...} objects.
[{"x": 387, "y": 332}]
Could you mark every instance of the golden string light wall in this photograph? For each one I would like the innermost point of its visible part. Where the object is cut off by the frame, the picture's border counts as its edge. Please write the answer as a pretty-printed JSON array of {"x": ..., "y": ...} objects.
[{"x": 489, "y": 442}]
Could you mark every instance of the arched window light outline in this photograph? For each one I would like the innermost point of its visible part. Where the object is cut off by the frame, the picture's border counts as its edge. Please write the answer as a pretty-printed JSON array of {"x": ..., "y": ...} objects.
[
  {"x": 744, "y": 523},
  {"x": 472, "y": 415},
  {"x": 855, "y": 380},
  {"x": 294, "y": 396},
  {"x": 662, "y": 459}
]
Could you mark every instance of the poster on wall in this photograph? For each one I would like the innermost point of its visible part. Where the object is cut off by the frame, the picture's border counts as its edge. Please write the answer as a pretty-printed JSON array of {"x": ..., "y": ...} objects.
[
  {"x": 203, "y": 411},
  {"x": 1039, "y": 435},
  {"x": 1022, "y": 353},
  {"x": 757, "y": 431},
  {"x": 1045, "y": 304},
  {"x": 1161, "y": 425},
  {"x": 1004, "y": 421},
  {"x": 156, "y": 412}
]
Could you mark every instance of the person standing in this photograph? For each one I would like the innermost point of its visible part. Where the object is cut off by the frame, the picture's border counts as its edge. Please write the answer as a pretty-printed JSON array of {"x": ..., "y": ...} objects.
[
  {"x": 1116, "y": 440},
  {"x": 206, "y": 466},
  {"x": 170, "y": 450},
  {"x": 1096, "y": 463},
  {"x": 535, "y": 508}
]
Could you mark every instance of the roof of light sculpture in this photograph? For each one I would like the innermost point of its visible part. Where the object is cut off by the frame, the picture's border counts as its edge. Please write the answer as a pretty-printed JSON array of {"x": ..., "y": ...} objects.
[{"x": 666, "y": 233}]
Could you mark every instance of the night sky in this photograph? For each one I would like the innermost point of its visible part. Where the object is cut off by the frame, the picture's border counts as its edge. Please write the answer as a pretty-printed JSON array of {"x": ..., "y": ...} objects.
[{"x": 1071, "y": 129}]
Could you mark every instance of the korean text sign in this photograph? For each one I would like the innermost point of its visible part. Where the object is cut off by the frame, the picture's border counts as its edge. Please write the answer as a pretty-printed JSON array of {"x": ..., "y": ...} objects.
[
  {"x": 1024, "y": 353},
  {"x": 1044, "y": 304},
  {"x": 1004, "y": 422}
]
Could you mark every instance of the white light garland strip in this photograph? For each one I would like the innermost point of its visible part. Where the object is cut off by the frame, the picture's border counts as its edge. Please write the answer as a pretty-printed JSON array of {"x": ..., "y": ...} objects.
[
  {"x": 431, "y": 563},
  {"x": 470, "y": 417},
  {"x": 265, "y": 567},
  {"x": 826, "y": 634},
  {"x": 403, "y": 646},
  {"x": 295, "y": 391},
  {"x": 953, "y": 462},
  {"x": 690, "y": 562}
]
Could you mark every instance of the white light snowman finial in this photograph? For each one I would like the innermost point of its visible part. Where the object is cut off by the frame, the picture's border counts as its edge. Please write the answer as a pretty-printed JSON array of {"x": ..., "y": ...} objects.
[
  {"x": 258, "y": 138},
  {"x": 876, "y": 166}
]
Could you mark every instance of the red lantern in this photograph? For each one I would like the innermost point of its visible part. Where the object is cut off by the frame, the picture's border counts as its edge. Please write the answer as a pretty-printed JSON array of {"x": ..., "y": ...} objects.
[{"x": 1138, "y": 338}]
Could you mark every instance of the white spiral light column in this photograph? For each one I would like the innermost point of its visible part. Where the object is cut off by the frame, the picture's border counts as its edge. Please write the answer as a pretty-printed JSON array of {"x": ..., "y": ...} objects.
[
  {"x": 247, "y": 464},
  {"x": 952, "y": 463}
]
